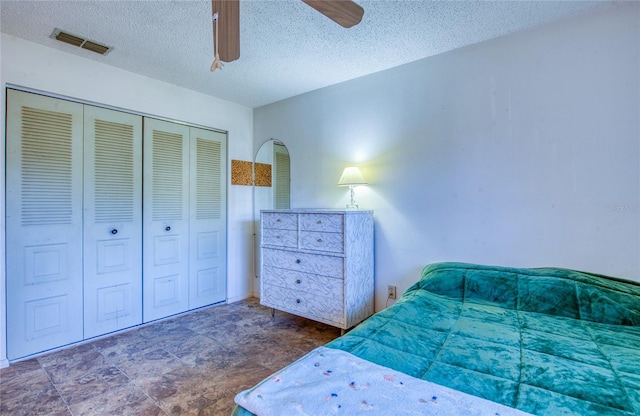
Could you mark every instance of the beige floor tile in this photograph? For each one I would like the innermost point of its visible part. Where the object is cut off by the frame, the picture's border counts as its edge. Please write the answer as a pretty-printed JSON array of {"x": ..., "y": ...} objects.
[{"x": 126, "y": 400}]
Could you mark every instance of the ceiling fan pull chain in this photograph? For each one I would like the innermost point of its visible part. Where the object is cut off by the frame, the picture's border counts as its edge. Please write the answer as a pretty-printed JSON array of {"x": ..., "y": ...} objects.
[{"x": 217, "y": 63}]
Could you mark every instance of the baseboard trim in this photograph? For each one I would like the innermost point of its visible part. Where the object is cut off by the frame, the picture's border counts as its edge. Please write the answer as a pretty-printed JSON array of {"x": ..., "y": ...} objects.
[{"x": 239, "y": 298}]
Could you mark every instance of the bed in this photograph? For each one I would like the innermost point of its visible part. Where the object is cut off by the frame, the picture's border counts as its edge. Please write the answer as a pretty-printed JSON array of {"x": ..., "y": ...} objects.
[{"x": 543, "y": 341}]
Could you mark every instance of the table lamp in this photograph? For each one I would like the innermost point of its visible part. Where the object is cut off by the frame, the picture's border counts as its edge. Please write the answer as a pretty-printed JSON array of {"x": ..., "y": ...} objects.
[{"x": 351, "y": 177}]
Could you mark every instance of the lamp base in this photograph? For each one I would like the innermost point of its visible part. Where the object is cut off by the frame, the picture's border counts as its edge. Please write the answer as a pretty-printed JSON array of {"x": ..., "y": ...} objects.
[{"x": 352, "y": 203}]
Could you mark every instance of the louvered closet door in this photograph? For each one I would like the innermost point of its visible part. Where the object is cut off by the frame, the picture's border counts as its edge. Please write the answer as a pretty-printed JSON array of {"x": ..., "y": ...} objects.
[
  {"x": 112, "y": 220},
  {"x": 165, "y": 219},
  {"x": 43, "y": 223},
  {"x": 207, "y": 218}
]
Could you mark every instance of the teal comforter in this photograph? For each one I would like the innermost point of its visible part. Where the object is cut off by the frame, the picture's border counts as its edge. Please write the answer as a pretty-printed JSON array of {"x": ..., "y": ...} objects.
[{"x": 545, "y": 341}]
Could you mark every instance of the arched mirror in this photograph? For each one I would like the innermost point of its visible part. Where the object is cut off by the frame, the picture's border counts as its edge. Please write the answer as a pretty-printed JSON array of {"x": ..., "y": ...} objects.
[
  {"x": 272, "y": 175},
  {"x": 271, "y": 189}
]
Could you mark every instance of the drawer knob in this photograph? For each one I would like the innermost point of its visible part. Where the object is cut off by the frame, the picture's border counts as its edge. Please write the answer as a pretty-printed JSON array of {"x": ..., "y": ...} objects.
[
  {"x": 277, "y": 237},
  {"x": 278, "y": 220},
  {"x": 298, "y": 261},
  {"x": 298, "y": 281},
  {"x": 319, "y": 240},
  {"x": 319, "y": 222},
  {"x": 114, "y": 231},
  {"x": 298, "y": 300},
  {"x": 167, "y": 228}
]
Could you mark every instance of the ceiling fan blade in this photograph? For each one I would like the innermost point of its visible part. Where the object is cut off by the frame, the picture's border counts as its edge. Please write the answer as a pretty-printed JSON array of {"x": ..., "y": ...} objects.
[
  {"x": 228, "y": 28},
  {"x": 344, "y": 12}
]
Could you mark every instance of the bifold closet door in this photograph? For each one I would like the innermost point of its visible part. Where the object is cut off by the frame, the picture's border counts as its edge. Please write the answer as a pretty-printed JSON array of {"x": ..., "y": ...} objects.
[
  {"x": 165, "y": 219},
  {"x": 112, "y": 220},
  {"x": 207, "y": 218},
  {"x": 43, "y": 223}
]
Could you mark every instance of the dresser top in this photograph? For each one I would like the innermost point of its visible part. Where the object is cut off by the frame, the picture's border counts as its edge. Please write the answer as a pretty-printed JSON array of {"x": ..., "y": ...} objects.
[{"x": 319, "y": 210}]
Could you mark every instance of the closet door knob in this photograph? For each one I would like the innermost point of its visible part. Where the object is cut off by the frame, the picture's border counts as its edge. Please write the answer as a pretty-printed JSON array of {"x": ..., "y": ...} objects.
[
  {"x": 114, "y": 231},
  {"x": 298, "y": 281},
  {"x": 298, "y": 261},
  {"x": 298, "y": 301},
  {"x": 167, "y": 228}
]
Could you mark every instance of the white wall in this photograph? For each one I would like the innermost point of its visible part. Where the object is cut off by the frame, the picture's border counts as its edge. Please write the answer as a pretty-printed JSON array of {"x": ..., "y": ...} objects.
[
  {"x": 30, "y": 65},
  {"x": 520, "y": 151}
]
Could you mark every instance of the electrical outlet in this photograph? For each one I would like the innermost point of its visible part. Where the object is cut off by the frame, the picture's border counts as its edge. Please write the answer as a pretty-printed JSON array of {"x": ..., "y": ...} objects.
[{"x": 391, "y": 290}]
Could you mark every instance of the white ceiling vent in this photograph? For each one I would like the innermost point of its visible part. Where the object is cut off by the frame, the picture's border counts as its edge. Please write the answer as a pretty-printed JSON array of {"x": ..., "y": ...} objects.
[{"x": 81, "y": 42}]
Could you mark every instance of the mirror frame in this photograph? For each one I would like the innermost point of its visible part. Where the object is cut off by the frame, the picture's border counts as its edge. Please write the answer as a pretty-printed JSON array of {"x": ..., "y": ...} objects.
[{"x": 255, "y": 284}]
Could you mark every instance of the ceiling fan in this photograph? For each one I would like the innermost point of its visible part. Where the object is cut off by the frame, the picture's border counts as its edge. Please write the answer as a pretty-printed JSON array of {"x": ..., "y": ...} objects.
[{"x": 226, "y": 24}]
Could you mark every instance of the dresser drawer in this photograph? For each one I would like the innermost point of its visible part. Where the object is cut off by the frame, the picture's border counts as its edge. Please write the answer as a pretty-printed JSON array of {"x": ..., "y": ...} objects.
[
  {"x": 304, "y": 282},
  {"x": 313, "y": 240},
  {"x": 323, "y": 265},
  {"x": 302, "y": 303},
  {"x": 281, "y": 238},
  {"x": 280, "y": 220},
  {"x": 333, "y": 223}
]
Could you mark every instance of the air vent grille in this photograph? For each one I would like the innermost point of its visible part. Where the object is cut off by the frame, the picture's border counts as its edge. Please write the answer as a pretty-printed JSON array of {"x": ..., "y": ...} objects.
[
  {"x": 95, "y": 47},
  {"x": 70, "y": 39},
  {"x": 80, "y": 42}
]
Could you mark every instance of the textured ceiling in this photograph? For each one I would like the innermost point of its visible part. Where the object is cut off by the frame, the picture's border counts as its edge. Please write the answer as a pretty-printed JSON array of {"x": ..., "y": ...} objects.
[{"x": 286, "y": 49}]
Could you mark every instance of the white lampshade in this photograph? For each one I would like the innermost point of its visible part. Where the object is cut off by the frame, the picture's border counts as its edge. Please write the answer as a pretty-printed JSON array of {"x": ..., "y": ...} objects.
[{"x": 351, "y": 177}]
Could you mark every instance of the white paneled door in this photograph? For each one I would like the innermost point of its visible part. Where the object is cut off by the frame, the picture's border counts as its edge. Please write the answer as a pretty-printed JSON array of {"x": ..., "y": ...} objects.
[
  {"x": 166, "y": 219},
  {"x": 184, "y": 215},
  {"x": 207, "y": 218},
  {"x": 43, "y": 223},
  {"x": 112, "y": 220}
]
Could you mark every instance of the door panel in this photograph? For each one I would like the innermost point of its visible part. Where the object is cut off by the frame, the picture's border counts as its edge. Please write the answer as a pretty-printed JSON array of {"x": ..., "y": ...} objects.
[
  {"x": 165, "y": 217},
  {"x": 45, "y": 263},
  {"x": 43, "y": 223},
  {"x": 207, "y": 219},
  {"x": 166, "y": 249},
  {"x": 114, "y": 256},
  {"x": 112, "y": 220}
]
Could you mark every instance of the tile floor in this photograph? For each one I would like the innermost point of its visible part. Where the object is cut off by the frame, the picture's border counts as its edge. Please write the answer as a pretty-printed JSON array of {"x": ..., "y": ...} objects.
[{"x": 188, "y": 365}]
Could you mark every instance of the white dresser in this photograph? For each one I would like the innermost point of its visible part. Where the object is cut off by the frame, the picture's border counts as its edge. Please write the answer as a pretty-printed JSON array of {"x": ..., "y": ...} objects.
[{"x": 318, "y": 264}]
